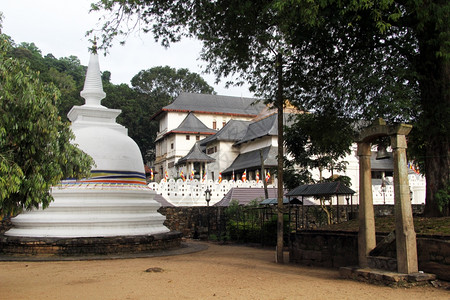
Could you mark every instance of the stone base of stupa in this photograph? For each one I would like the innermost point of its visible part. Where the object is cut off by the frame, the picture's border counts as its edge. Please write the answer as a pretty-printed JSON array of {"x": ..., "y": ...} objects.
[{"x": 88, "y": 246}]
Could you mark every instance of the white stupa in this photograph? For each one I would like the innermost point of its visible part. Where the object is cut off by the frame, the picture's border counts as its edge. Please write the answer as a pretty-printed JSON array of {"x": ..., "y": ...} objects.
[{"x": 116, "y": 200}]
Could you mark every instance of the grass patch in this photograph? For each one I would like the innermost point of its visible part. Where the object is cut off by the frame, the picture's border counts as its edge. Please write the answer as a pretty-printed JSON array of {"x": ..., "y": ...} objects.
[{"x": 425, "y": 226}]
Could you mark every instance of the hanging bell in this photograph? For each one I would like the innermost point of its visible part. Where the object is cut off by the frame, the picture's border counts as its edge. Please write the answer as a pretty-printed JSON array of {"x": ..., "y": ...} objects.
[{"x": 382, "y": 153}]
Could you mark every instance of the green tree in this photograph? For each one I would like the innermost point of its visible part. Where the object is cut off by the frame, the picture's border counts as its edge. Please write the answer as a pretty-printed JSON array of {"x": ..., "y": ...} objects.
[
  {"x": 386, "y": 59},
  {"x": 369, "y": 59},
  {"x": 66, "y": 73},
  {"x": 320, "y": 141},
  {"x": 169, "y": 82},
  {"x": 35, "y": 148}
]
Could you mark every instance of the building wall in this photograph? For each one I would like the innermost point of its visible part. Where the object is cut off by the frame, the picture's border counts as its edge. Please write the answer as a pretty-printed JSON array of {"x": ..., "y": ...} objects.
[
  {"x": 174, "y": 119},
  {"x": 259, "y": 144},
  {"x": 168, "y": 155},
  {"x": 224, "y": 156}
]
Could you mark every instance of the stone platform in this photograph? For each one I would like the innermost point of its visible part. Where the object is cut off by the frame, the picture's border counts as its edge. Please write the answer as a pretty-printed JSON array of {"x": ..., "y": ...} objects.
[
  {"x": 383, "y": 277},
  {"x": 88, "y": 246}
]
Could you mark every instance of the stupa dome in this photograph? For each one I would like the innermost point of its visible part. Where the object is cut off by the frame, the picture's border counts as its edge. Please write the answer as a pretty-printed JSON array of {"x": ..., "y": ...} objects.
[{"x": 110, "y": 149}]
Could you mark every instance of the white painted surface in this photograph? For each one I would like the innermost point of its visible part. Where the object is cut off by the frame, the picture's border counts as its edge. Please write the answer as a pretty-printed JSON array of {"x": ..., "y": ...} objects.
[{"x": 97, "y": 209}]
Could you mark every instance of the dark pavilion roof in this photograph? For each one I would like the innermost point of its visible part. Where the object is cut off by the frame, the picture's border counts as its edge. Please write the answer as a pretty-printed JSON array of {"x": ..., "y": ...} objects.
[
  {"x": 321, "y": 189},
  {"x": 252, "y": 160},
  {"x": 191, "y": 124},
  {"x": 233, "y": 131},
  {"x": 195, "y": 155},
  {"x": 245, "y": 195},
  {"x": 263, "y": 127},
  {"x": 267, "y": 126},
  {"x": 274, "y": 201},
  {"x": 213, "y": 104}
]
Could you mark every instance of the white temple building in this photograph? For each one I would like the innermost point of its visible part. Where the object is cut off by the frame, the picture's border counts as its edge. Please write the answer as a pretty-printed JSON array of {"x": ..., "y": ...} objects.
[
  {"x": 204, "y": 139},
  {"x": 116, "y": 200}
]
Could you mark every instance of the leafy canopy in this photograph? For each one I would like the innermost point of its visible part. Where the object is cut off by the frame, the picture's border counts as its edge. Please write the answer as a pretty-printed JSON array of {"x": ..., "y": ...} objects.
[
  {"x": 366, "y": 59},
  {"x": 319, "y": 141}
]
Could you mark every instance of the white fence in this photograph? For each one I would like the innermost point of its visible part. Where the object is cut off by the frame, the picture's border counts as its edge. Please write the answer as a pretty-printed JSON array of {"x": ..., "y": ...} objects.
[{"x": 192, "y": 193}]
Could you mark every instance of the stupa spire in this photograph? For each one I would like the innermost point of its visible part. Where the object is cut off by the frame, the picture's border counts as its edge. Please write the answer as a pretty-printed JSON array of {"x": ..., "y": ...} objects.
[{"x": 93, "y": 88}]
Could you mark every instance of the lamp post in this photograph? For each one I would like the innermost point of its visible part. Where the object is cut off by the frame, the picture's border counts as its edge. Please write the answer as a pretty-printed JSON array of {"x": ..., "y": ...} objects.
[
  {"x": 207, "y": 196},
  {"x": 347, "y": 199}
]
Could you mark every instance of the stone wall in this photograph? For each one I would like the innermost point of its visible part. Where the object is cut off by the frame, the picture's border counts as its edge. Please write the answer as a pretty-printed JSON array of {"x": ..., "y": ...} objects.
[
  {"x": 340, "y": 249},
  {"x": 20, "y": 246},
  {"x": 194, "y": 222},
  {"x": 434, "y": 256},
  {"x": 324, "y": 248}
]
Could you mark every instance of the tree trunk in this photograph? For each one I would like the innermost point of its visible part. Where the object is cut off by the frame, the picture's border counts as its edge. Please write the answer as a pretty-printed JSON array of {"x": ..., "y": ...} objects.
[
  {"x": 435, "y": 101},
  {"x": 263, "y": 175},
  {"x": 279, "y": 104}
]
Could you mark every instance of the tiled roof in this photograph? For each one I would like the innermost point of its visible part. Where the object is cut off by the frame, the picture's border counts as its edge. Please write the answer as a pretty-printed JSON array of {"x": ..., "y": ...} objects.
[
  {"x": 215, "y": 104},
  {"x": 195, "y": 155},
  {"x": 274, "y": 201},
  {"x": 266, "y": 126},
  {"x": 234, "y": 130},
  {"x": 245, "y": 195},
  {"x": 252, "y": 160},
  {"x": 191, "y": 124},
  {"x": 321, "y": 189}
]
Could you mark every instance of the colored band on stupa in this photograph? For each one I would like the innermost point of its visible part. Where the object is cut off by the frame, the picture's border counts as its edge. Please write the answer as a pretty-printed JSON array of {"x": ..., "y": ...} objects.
[{"x": 111, "y": 177}]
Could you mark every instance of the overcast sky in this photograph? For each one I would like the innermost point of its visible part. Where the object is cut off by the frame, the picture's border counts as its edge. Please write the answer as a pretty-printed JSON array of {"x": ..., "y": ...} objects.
[{"x": 59, "y": 27}]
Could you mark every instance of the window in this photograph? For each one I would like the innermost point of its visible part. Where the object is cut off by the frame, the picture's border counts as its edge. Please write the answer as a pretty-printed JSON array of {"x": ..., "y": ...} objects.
[
  {"x": 211, "y": 150},
  {"x": 188, "y": 137},
  {"x": 197, "y": 138},
  {"x": 171, "y": 146},
  {"x": 214, "y": 125}
]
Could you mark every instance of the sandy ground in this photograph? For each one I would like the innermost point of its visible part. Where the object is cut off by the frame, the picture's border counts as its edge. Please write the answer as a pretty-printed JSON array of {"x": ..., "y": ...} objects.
[{"x": 220, "y": 272}]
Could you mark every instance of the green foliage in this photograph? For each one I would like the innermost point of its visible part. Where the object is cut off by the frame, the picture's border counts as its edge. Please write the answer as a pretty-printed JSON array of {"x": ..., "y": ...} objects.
[
  {"x": 245, "y": 224},
  {"x": 168, "y": 83},
  {"x": 35, "y": 148},
  {"x": 319, "y": 215},
  {"x": 233, "y": 209},
  {"x": 319, "y": 141},
  {"x": 66, "y": 73},
  {"x": 294, "y": 176},
  {"x": 365, "y": 59},
  {"x": 341, "y": 178}
]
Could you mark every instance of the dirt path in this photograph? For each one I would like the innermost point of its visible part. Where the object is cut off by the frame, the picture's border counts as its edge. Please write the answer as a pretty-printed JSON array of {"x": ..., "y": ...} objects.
[{"x": 220, "y": 272}]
